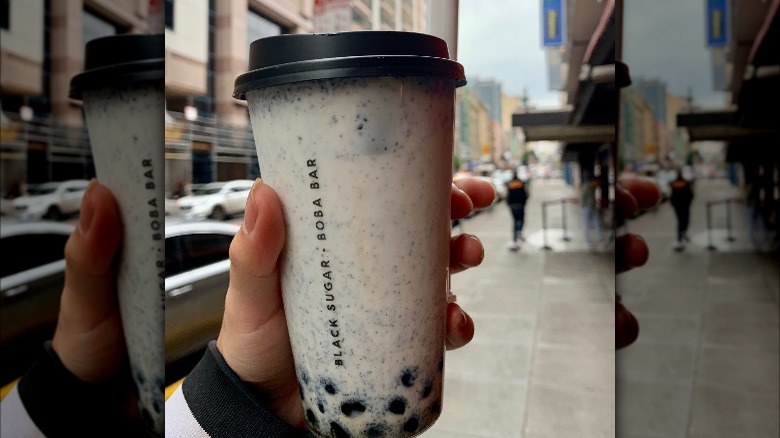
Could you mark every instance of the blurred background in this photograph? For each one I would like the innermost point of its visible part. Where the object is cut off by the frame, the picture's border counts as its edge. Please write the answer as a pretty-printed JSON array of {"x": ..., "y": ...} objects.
[{"x": 703, "y": 101}]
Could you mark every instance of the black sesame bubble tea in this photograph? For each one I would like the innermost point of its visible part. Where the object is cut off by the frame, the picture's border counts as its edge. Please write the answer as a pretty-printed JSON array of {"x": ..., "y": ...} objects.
[
  {"x": 354, "y": 130},
  {"x": 123, "y": 93}
]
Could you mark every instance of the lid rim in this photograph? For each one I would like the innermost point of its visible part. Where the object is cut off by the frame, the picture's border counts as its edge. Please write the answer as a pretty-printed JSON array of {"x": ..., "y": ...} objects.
[
  {"x": 348, "y": 67},
  {"x": 135, "y": 71}
]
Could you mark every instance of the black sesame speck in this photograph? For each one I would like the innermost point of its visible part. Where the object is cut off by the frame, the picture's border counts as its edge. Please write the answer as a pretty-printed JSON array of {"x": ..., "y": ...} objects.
[
  {"x": 330, "y": 388},
  {"x": 321, "y": 407},
  {"x": 360, "y": 126}
]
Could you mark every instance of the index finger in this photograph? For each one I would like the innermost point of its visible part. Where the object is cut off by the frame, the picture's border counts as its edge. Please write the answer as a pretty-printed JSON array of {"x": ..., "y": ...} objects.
[{"x": 481, "y": 192}]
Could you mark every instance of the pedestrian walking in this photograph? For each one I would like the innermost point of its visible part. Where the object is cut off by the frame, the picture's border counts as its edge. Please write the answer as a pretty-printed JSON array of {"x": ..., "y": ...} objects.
[
  {"x": 516, "y": 198},
  {"x": 590, "y": 212},
  {"x": 681, "y": 199}
]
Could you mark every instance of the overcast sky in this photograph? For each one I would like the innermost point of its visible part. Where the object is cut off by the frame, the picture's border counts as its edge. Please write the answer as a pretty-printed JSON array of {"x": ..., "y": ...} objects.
[
  {"x": 666, "y": 40},
  {"x": 501, "y": 40},
  {"x": 663, "y": 39}
]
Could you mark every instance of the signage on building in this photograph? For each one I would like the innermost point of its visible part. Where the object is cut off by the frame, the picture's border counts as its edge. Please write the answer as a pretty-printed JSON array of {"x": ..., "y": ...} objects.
[
  {"x": 332, "y": 16},
  {"x": 717, "y": 23},
  {"x": 552, "y": 23}
]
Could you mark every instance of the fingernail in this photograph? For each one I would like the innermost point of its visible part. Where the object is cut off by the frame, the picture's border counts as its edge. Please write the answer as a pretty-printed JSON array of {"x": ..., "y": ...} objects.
[
  {"x": 250, "y": 213},
  {"x": 482, "y": 247},
  {"x": 87, "y": 211}
]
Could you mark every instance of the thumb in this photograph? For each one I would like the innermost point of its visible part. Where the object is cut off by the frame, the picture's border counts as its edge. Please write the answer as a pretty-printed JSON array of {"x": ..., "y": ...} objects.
[
  {"x": 88, "y": 338},
  {"x": 254, "y": 329}
]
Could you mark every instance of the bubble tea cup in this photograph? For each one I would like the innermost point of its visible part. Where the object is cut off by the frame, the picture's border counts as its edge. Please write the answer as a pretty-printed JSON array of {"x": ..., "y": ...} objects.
[
  {"x": 124, "y": 99},
  {"x": 355, "y": 133}
]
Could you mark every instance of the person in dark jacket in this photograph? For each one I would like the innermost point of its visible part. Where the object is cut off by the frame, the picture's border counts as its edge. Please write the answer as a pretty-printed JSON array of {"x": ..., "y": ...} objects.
[
  {"x": 681, "y": 199},
  {"x": 516, "y": 197}
]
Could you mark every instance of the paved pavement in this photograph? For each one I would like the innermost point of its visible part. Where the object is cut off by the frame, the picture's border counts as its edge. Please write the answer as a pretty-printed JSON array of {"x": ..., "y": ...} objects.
[
  {"x": 542, "y": 361},
  {"x": 706, "y": 361}
]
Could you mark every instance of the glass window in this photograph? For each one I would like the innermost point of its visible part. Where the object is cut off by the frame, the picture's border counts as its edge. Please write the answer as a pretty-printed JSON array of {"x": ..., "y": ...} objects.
[
  {"x": 95, "y": 26},
  {"x": 169, "y": 14},
  {"x": 261, "y": 27},
  {"x": 5, "y": 14},
  {"x": 31, "y": 251},
  {"x": 193, "y": 251}
]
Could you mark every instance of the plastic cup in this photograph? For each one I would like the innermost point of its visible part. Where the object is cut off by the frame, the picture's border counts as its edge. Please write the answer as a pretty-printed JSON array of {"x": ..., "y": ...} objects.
[
  {"x": 124, "y": 98},
  {"x": 355, "y": 132}
]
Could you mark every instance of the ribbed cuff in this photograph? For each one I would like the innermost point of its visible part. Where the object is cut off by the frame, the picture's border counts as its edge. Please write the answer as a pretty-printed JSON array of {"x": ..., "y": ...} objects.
[
  {"x": 61, "y": 405},
  {"x": 225, "y": 407}
]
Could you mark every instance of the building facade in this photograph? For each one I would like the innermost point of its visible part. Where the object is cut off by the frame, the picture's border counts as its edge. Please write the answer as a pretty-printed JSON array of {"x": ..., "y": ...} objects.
[
  {"x": 208, "y": 135},
  {"x": 41, "y": 49}
]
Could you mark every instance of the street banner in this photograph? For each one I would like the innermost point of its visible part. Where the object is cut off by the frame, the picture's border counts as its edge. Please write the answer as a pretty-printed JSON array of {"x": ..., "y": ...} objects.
[
  {"x": 552, "y": 23},
  {"x": 332, "y": 16},
  {"x": 717, "y": 23}
]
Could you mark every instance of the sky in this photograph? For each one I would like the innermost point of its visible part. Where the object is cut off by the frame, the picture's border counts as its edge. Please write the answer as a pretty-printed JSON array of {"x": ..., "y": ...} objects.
[
  {"x": 663, "y": 39},
  {"x": 501, "y": 40},
  {"x": 666, "y": 40}
]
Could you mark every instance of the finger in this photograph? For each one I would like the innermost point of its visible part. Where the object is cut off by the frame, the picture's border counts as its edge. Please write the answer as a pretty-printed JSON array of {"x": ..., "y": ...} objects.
[
  {"x": 461, "y": 204},
  {"x": 466, "y": 251},
  {"x": 630, "y": 252},
  {"x": 481, "y": 192},
  {"x": 88, "y": 338},
  {"x": 460, "y": 327},
  {"x": 626, "y": 205},
  {"x": 645, "y": 192}
]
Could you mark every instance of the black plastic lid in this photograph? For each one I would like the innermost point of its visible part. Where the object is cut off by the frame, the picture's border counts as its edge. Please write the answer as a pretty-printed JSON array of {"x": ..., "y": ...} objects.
[
  {"x": 120, "y": 59},
  {"x": 284, "y": 59}
]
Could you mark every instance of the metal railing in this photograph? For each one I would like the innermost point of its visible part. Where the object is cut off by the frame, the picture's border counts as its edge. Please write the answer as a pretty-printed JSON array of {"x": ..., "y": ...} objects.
[
  {"x": 710, "y": 204},
  {"x": 563, "y": 202}
]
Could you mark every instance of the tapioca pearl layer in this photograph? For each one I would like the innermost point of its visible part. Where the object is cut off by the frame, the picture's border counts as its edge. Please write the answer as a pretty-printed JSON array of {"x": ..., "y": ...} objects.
[{"x": 334, "y": 413}]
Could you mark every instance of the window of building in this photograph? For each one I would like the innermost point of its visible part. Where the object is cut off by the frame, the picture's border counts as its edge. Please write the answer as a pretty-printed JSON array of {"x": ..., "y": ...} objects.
[
  {"x": 259, "y": 26},
  {"x": 5, "y": 14},
  {"x": 169, "y": 14},
  {"x": 95, "y": 26}
]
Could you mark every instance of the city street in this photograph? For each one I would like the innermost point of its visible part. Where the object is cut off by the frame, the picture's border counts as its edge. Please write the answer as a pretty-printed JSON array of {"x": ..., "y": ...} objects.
[
  {"x": 706, "y": 361},
  {"x": 541, "y": 363}
]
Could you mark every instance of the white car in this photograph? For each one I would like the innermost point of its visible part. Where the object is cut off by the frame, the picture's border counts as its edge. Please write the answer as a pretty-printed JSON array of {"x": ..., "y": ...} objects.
[
  {"x": 51, "y": 200},
  {"x": 32, "y": 274},
  {"x": 197, "y": 270},
  {"x": 217, "y": 200}
]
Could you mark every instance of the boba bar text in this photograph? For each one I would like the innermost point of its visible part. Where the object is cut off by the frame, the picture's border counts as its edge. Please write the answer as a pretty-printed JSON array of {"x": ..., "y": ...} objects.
[
  {"x": 155, "y": 224},
  {"x": 327, "y": 283}
]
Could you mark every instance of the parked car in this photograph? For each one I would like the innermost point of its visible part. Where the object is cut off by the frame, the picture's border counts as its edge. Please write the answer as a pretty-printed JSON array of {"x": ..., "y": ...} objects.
[
  {"x": 217, "y": 200},
  {"x": 197, "y": 269},
  {"x": 32, "y": 273},
  {"x": 52, "y": 200}
]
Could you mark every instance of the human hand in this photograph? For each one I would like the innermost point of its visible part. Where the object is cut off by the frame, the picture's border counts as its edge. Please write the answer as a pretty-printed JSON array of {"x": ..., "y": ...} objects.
[
  {"x": 89, "y": 339},
  {"x": 254, "y": 340},
  {"x": 633, "y": 195}
]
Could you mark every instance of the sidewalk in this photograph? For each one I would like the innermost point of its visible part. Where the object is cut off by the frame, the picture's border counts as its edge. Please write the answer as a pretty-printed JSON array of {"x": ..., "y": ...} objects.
[
  {"x": 542, "y": 360},
  {"x": 706, "y": 361}
]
